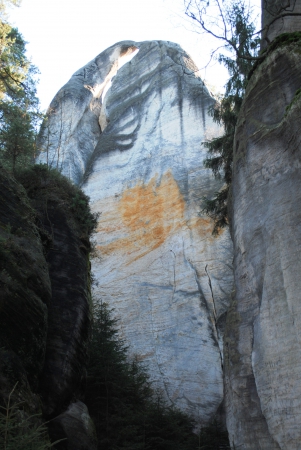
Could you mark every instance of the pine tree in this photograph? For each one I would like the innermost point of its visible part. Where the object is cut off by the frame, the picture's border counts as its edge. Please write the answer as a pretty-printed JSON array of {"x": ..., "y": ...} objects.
[
  {"x": 225, "y": 112},
  {"x": 116, "y": 388},
  {"x": 19, "y": 106},
  {"x": 127, "y": 412},
  {"x": 18, "y": 124},
  {"x": 231, "y": 22}
]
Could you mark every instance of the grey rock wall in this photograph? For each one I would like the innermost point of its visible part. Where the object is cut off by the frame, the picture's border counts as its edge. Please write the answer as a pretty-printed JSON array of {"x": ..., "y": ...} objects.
[
  {"x": 143, "y": 171},
  {"x": 69, "y": 135},
  {"x": 62, "y": 221},
  {"x": 279, "y": 17},
  {"x": 25, "y": 289},
  {"x": 74, "y": 428},
  {"x": 45, "y": 303},
  {"x": 263, "y": 353}
]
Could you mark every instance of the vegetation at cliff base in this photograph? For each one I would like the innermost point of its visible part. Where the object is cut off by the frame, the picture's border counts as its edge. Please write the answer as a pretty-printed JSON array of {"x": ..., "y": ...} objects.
[
  {"x": 128, "y": 413},
  {"x": 18, "y": 431}
]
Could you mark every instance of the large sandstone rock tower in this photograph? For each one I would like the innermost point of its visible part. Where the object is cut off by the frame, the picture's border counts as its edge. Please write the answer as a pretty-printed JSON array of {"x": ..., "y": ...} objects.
[
  {"x": 263, "y": 337},
  {"x": 137, "y": 152}
]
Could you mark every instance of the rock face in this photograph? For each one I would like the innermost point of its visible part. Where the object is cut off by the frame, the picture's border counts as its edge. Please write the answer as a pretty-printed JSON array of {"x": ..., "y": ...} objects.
[
  {"x": 279, "y": 17},
  {"x": 45, "y": 298},
  {"x": 25, "y": 290},
  {"x": 138, "y": 152},
  {"x": 263, "y": 359},
  {"x": 56, "y": 203},
  {"x": 75, "y": 429},
  {"x": 25, "y": 294}
]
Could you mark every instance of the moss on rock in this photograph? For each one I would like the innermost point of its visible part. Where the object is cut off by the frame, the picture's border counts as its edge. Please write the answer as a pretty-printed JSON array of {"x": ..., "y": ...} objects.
[
  {"x": 24, "y": 280},
  {"x": 64, "y": 217},
  {"x": 282, "y": 40}
]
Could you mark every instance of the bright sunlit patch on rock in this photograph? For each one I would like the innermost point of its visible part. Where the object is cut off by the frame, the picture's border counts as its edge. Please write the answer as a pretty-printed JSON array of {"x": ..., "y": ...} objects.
[{"x": 125, "y": 58}]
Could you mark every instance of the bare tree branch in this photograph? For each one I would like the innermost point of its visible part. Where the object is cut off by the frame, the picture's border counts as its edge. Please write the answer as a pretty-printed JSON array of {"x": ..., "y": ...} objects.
[{"x": 197, "y": 10}]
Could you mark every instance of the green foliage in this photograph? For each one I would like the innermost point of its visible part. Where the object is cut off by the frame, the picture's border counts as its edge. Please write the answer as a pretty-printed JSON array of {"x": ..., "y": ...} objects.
[
  {"x": 225, "y": 112},
  {"x": 217, "y": 209},
  {"x": 17, "y": 134},
  {"x": 48, "y": 184},
  {"x": 127, "y": 412},
  {"x": 18, "y": 431},
  {"x": 19, "y": 106},
  {"x": 13, "y": 63},
  {"x": 81, "y": 210},
  {"x": 280, "y": 41}
]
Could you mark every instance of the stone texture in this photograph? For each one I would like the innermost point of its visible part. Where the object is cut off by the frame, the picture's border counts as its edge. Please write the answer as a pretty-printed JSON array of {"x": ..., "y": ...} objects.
[
  {"x": 64, "y": 371},
  {"x": 25, "y": 290},
  {"x": 263, "y": 359},
  {"x": 74, "y": 428},
  {"x": 145, "y": 176},
  {"x": 45, "y": 299},
  {"x": 280, "y": 17},
  {"x": 71, "y": 132}
]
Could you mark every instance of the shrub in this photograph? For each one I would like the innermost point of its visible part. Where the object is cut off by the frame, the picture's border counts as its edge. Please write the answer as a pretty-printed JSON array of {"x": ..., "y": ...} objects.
[
  {"x": 127, "y": 412},
  {"x": 18, "y": 431}
]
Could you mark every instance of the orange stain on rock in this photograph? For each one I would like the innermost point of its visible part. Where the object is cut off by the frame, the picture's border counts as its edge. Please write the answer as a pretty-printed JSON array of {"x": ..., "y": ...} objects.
[
  {"x": 153, "y": 212},
  {"x": 204, "y": 227},
  {"x": 149, "y": 213}
]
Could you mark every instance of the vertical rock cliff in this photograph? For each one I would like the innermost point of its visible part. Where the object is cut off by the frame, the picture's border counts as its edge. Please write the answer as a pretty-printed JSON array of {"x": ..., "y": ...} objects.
[
  {"x": 262, "y": 358},
  {"x": 45, "y": 303},
  {"x": 279, "y": 17},
  {"x": 62, "y": 218},
  {"x": 138, "y": 153},
  {"x": 25, "y": 293}
]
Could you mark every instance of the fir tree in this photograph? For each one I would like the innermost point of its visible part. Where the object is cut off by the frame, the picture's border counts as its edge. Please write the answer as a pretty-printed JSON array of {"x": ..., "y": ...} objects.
[
  {"x": 127, "y": 412},
  {"x": 225, "y": 112},
  {"x": 19, "y": 431},
  {"x": 19, "y": 106}
]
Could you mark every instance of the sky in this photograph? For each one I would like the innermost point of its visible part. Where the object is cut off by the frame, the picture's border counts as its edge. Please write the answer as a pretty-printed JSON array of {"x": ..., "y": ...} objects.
[{"x": 64, "y": 35}]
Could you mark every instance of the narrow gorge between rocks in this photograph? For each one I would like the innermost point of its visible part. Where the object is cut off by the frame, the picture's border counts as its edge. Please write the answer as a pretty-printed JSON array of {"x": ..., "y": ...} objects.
[{"x": 214, "y": 319}]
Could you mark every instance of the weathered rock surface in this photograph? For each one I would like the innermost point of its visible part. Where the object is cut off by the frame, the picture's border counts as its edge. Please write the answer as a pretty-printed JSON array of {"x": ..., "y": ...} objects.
[
  {"x": 143, "y": 171},
  {"x": 25, "y": 290},
  {"x": 45, "y": 297},
  {"x": 263, "y": 359},
  {"x": 74, "y": 428},
  {"x": 279, "y": 17},
  {"x": 71, "y": 132},
  {"x": 61, "y": 217}
]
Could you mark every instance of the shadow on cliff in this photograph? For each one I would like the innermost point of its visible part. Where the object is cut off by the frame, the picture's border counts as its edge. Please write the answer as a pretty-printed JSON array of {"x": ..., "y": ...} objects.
[{"x": 45, "y": 299}]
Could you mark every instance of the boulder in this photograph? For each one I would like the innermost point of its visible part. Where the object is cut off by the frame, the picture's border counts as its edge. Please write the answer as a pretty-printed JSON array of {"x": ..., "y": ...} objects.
[{"x": 74, "y": 429}]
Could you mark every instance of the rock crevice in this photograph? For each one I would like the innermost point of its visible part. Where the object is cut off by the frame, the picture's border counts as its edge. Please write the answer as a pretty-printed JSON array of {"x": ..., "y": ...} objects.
[{"x": 145, "y": 175}]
